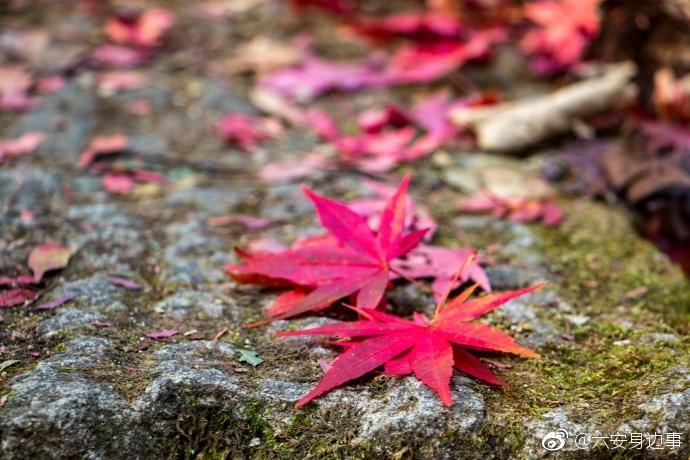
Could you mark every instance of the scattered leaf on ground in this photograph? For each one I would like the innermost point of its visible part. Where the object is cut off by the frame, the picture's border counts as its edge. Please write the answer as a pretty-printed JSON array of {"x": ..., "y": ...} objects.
[{"x": 47, "y": 257}]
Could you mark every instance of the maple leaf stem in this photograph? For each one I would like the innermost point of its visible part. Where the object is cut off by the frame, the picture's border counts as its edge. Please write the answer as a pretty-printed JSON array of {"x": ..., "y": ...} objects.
[
  {"x": 419, "y": 284},
  {"x": 470, "y": 259}
]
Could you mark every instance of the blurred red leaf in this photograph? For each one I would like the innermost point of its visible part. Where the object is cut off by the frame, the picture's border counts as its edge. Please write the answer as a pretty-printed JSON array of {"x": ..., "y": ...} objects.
[
  {"x": 145, "y": 30},
  {"x": 515, "y": 210},
  {"x": 562, "y": 31},
  {"x": 119, "y": 183},
  {"x": 418, "y": 26},
  {"x": 116, "y": 56},
  {"x": 16, "y": 296},
  {"x": 247, "y": 131}
]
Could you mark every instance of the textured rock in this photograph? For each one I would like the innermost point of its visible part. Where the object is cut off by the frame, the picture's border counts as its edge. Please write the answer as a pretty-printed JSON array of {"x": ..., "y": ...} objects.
[{"x": 86, "y": 382}]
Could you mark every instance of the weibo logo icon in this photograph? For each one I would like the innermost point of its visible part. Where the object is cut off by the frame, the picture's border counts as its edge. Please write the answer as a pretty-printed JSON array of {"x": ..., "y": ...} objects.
[{"x": 555, "y": 440}]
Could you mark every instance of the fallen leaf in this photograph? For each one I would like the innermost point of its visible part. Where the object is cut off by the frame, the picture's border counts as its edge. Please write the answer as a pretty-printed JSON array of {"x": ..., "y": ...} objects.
[
  {"x": 353, "y": 259},
  {"x": 417, "y": 26},
  {"x": 416, "y": 216},
  {"x": 139, "y": 107},
  {"x": 119, "y": 183},
  {"x": 145, "y": 30},
  {"x": 47, "y": 257},
  {"x": 427, "y": 348},
  {"x": 120, "y": 80},
  {"x": 18, "y": 280},
  {"x": 220, "y": 333},
  {"x": 102, "y": 145},
  {"x": 52, "y": 84},
  {"x": 164, "y": 334},
  {"x": 250, "y": 357},
  {"x": 429, "y": 61},
  {"x": 247, "y": 131},
  {"x": 26, "y": 143},
  {"x": 119, "y": 57},
  {"x": 562, "y": 31},
  {"x": 56, "y": 303},
  {"x": 442, "y": 264},
  {"x": 516, "y": 209},
  {"x": 314, "y": 76},
  {"x": 16, "y": 296},
  {"x": 262, "y": 55},
  {"x": 125, "y": 283},
  {"x": 15, "y": 82},
  {"x": 290, "y": 171}
]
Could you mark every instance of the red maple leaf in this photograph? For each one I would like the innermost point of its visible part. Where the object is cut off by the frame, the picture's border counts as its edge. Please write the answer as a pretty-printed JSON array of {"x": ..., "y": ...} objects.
[
  {"x": 427, "y": 348},
  {"x": 359, "y": 264}
]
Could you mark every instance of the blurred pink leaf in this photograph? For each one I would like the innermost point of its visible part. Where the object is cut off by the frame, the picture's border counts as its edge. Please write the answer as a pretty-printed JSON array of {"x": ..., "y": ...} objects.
[
  {"x": 47, "y": 257},
  {"x": 102, "y": 145},
  {"x": 16, "y": 296},
  {"x": 164, "y": 334},
  {"x": 26, "y": 143},
  {"x": 15, "y": 82}
]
